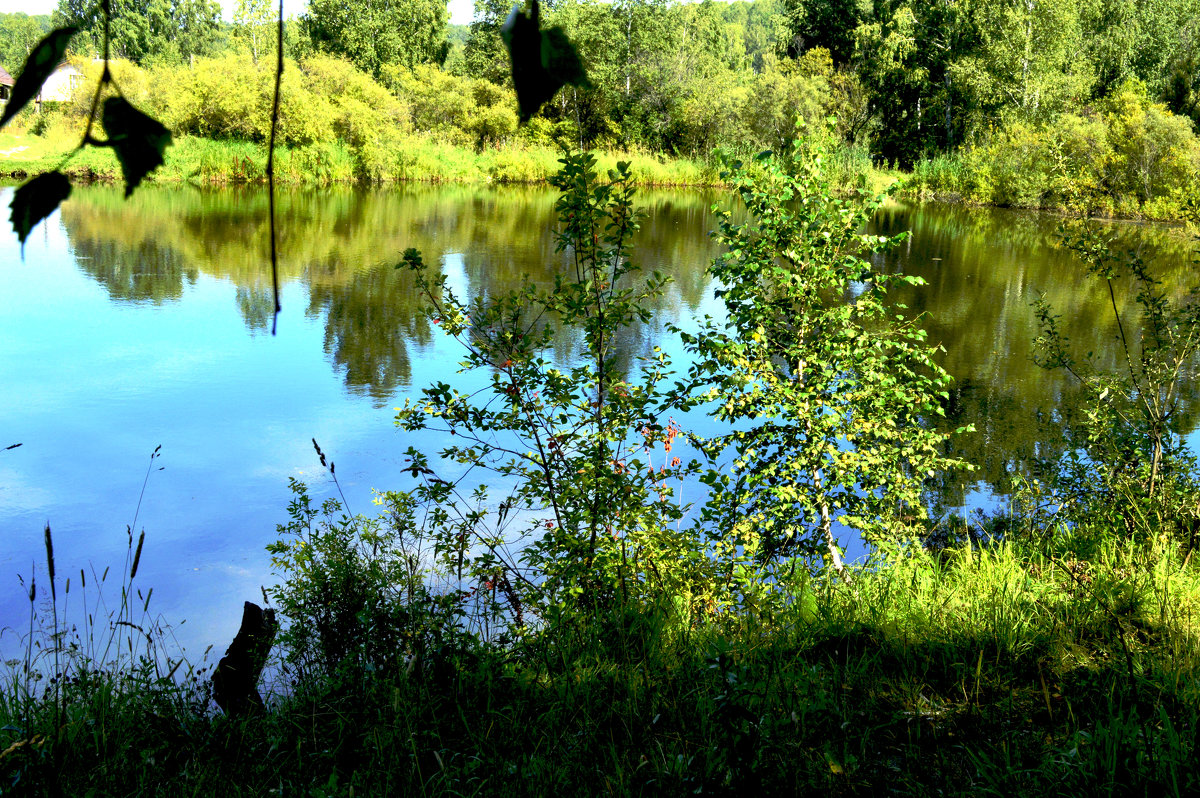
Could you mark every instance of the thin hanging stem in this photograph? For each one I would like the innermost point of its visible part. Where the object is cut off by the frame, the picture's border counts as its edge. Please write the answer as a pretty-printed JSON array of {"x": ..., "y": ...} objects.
[{"x": 271, "y": 166}]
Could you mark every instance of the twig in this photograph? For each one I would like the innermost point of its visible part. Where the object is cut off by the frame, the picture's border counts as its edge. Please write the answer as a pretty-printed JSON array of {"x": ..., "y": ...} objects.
[{"x": 271, "y": 167}]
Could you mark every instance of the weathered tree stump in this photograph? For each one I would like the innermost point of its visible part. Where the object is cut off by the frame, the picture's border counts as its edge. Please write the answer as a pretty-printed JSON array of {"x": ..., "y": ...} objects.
[{"x": 235, "y": 681}]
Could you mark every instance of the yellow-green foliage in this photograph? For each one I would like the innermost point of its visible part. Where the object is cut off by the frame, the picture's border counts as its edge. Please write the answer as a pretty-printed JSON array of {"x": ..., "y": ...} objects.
[
  {"x": 231, "y": 98},
  {"x": 1127, "y": 156},
  {"x": 335, "y": 122},
  {"x": 1153, "y": 154},
  {"x": 458, "y": 110}
]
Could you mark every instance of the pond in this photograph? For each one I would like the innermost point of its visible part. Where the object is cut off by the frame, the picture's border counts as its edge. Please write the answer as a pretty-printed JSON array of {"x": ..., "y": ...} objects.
[{"x": 134, "y": 324}]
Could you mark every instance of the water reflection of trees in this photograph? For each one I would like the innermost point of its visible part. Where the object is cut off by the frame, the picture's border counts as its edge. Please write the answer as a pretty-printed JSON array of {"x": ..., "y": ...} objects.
[
  {"x": 984, "y": 267},
  {"x": 370, "y": 323},
  {"x": 341, "y": 243},
  {"x": 150, "y": 272}
]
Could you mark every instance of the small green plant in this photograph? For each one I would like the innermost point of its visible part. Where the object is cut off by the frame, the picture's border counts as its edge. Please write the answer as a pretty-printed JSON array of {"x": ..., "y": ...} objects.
[
  {"x": 1129, "y": 470},
  {"x": 356, "y": 592},
  {"x": 574, "y": 447},
  {"x": 829, "y": 392}
]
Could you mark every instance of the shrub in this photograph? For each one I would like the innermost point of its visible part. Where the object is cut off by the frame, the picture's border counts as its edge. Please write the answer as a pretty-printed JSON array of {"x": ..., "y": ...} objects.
[
  {"x": 828, "y": 394},
  {"x": 355, "y": 592},
  {"x": 582, "y": 500},
  {"x": 1154, "y": 152},
  {"x": 1128, "y": 470},
  {"x": 459, "y": 110}
]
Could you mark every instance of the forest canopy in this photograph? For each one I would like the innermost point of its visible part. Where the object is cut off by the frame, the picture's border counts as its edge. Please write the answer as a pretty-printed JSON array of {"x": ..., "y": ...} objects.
[{"x": 1048, "y": 103}]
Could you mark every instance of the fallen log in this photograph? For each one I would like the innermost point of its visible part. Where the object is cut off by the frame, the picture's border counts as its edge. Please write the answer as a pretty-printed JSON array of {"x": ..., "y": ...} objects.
[{"x": 235, "y": 681}]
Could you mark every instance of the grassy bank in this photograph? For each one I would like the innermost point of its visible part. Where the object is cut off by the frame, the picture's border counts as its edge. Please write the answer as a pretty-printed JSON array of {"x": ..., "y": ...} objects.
[
  {"x": 992, "y": 670},
  {"x": 416, "y": 158},
  {"x": 973, "y": 177}
]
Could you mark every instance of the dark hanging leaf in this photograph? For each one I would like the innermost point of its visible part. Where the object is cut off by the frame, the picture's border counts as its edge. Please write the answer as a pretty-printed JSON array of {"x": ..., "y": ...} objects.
[
  {"x": 41, "y": 62},
  {"x": 137, "y": 139},
  {"x": 36, "y": 200},
  {"x": 543, "y": 61},
  {"x": 561, "y": 58}
]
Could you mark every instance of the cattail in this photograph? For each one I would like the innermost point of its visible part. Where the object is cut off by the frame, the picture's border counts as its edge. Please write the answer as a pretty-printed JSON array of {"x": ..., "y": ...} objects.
[
  {"x": 137, "y": 555},
  {"x": 82, "y": 580},
  {"x": 32, "y": 589},
  {"x": 50, "y": 562}
]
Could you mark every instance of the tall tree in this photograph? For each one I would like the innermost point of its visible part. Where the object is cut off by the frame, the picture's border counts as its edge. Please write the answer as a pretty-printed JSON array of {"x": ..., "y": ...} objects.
[
  {"x": 823, "y": 23},
  {"x": 142, "y": 29},
  {"x": 19, "y": 34},
  {"x": 1027, "y": 62},
  {"x": 372, "y": 33},
  {"x": 195, "y": 25},
  {"x": 484, "y": 53},
  {"x": 253, "y": 26},
  {"x": 1144, "y": 39}
]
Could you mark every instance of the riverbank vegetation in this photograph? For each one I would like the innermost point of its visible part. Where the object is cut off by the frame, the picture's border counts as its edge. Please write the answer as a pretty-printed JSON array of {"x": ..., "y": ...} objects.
[
  {"x": 577, "y": 626},
  {"x": 1083, "y": 107},
  {"x": 999, "y": 668}
]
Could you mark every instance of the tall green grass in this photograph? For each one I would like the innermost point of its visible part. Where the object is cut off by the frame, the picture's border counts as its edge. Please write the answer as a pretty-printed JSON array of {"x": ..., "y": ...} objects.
[
  {"x": 414, "y": 158},
  {"x": 993, "y": 670}
]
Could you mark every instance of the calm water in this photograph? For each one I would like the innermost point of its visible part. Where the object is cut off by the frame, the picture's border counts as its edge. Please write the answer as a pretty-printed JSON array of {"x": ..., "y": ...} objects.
[{"x": 134, "y": 324}]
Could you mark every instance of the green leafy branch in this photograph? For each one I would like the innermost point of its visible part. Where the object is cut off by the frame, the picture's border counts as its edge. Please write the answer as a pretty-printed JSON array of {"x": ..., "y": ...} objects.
[{"x": 137, "y": 139}]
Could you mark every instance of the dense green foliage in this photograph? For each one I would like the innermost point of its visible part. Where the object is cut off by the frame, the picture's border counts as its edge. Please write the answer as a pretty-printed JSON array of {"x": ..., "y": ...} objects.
[
  {"x": 372, "y": 33},
  {"x": 1125, "y": 156},
  {"x": 176, "y": 30},
  {"x": 828, "y": 395},
  {"x": 1088, "y": 107},
  {"x": 19, "y": 33}
]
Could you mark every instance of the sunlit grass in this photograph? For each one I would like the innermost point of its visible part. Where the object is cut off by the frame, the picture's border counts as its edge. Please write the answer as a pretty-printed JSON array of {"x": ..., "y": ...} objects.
[
  {"x": 966, "y": 671},
  {"x": 416, "y": 158}
]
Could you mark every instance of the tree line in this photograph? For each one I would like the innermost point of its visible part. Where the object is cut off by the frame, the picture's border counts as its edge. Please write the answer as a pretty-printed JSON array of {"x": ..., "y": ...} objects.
[{"x": 909, "y": 80}]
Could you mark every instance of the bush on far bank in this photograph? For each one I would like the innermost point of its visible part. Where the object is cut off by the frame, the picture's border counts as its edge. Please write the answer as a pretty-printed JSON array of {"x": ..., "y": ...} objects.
[{"x": 1127, "y": 156}]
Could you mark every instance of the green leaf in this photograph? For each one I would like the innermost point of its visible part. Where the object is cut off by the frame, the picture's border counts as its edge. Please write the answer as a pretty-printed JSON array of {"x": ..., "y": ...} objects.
[
  {"x": 542, "y": 61},
  {"x": 36, "y": 200},
  {"x": 138, "y": 140},
  {"x": 43, "y": 60}
]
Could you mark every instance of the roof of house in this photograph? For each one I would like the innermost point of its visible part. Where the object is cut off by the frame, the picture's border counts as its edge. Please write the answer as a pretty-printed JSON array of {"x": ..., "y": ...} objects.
[{"x": 5, "y": 78}]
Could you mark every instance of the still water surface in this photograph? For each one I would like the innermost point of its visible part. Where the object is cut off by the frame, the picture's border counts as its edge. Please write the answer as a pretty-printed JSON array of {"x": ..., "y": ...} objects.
[{"x": 133, "y": 324}]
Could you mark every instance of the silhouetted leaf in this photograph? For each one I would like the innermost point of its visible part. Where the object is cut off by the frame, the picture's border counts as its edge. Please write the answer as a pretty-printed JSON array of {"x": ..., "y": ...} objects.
[
  {"x": 137, "y": 139},
  {"x": 542, "y": 61},
  {"x": 561, "y": 59},
  {"x": 36, "y": 200},
  {"x": 41, "y": 62}
]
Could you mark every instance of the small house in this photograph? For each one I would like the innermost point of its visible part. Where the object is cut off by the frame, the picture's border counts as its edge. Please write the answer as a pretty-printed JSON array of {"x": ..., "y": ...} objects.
[
  {"x": 6, "y": 86},
  {"x": 61, "y": 84}
]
